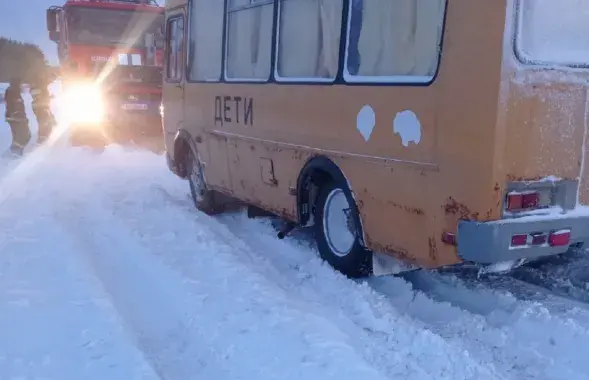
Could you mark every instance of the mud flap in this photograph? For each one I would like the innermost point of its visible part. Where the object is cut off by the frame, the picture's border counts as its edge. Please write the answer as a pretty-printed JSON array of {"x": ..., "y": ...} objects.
[{"x": 384, "y": 265}]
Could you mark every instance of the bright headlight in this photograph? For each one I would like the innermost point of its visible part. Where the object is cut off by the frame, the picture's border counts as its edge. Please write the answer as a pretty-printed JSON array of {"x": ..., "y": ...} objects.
[{"x": 83, "y": 103}]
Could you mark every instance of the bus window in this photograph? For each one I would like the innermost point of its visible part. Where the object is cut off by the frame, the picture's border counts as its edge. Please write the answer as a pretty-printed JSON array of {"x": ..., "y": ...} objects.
[
  {"x": 174, "y": 49},
  {"x": 311, "y": 51},
  {"x": 249, "y": 39},
  {"x": 544, "y": 37},
  {"x": 206, "y": 40},
  {"x": 398, "y": 39}
]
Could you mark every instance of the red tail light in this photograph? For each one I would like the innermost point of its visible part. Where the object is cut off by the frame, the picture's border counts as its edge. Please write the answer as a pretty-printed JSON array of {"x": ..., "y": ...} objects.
[
  {"x": 519, "y": 240},
  {"x": 539, "y": 239},
  {"x": 559, "y": 238},
  {"x": 523, "y": 201},
  {"x": 449, "y": 238}
]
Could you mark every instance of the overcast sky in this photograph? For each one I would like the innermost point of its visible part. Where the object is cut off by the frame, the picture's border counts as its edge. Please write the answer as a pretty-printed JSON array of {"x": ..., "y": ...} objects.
[{"x": 24, "y": 20}]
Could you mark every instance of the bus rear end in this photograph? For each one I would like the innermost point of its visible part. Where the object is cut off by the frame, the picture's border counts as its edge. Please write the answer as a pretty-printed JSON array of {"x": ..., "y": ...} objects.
[{"x": 542, "y": 129}]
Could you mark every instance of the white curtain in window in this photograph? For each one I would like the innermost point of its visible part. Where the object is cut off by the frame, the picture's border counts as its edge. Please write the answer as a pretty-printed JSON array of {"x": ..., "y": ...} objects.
[
  {"x": 309, "y": 38},
  {"x": 400, "y": 37},
  {"x": 331, "y": 21},
  {"x": 206, "y": 39},
  {"x": 249, "y": 42}
]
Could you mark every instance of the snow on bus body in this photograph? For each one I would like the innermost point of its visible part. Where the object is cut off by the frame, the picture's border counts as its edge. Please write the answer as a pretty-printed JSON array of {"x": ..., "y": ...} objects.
[{"x": 542, "y": 124}]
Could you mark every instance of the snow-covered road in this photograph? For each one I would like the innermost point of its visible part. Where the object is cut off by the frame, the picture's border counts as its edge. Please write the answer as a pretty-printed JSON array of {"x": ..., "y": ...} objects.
[{"x": 107, "y": 272}]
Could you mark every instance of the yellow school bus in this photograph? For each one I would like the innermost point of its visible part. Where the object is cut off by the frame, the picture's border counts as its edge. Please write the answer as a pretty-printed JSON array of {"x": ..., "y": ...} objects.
[{"x": 435, "y": 132}]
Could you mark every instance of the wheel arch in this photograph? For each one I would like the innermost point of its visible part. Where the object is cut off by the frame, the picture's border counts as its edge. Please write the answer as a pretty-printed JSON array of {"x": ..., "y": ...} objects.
[
  {"x": 316, "y": 170},
  {"x": 183, "y": 145}
]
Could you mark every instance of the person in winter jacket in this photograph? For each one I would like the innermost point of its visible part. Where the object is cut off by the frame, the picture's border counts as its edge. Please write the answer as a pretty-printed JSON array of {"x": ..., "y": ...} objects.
[
  {"x": 42, "y": 108},
  {"x": 16, "y": 116}
]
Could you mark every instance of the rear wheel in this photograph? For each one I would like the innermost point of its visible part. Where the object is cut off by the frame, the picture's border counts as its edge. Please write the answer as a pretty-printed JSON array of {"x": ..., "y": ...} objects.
[
  {"x": 205, "y": 200},
  {"x": 338, "y": 231}
]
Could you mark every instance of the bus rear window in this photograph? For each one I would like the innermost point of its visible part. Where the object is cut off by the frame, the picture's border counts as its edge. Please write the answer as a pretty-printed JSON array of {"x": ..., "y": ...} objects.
[{"x": 553, "y": 32}]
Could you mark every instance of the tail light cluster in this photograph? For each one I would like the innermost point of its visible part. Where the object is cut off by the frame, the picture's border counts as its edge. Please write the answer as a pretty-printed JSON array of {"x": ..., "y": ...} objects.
[
  {"x": 517, "y": 201},
  {"x": 558, "y": 238}
]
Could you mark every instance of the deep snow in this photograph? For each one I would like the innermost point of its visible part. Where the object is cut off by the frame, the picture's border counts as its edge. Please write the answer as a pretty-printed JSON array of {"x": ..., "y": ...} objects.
[{"x": 107, "y": 272}]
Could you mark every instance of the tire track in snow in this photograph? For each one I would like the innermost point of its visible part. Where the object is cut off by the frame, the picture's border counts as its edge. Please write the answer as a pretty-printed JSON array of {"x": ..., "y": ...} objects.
[
  {"x": 566, "y": 275},
  {"x": 57, "y": 321},
  {"x": 145, "y": 295}
]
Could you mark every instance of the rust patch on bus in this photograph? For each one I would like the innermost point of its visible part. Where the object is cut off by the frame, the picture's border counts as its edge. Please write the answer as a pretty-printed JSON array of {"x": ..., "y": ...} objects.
[
  {"x": 360, "y": 204},
  {"x": 411, "y": 210},
  {"x": 298, "y": 154},
  {"x": 514, "y": 178},
  {"x": 391, "y": 250},
  {"x": 433, "y": 249},
  {"x": 489, "y": 213},
  {"x": 453, "y": 207}
]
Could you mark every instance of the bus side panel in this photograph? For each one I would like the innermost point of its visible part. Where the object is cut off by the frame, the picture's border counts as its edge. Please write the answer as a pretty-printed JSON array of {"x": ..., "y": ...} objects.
[
  {"x": 395, "y": 201},
  {"x": 545, "y": 126},
  {"x": 217, "y": 170},
  {"x": 213, "y": 149},
  {"x": 399, "y": 213},
  {"x": 265, "y": 175}
]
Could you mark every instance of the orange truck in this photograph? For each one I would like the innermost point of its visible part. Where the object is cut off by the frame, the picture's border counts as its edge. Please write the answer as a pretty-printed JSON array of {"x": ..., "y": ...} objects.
[{"x": 111, "y": 60}]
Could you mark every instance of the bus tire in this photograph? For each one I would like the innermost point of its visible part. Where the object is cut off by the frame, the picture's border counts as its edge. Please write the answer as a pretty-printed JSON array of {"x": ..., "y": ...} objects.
[
  {"x": 338, "y": 231},
  {"x": 204, "y": 200}
]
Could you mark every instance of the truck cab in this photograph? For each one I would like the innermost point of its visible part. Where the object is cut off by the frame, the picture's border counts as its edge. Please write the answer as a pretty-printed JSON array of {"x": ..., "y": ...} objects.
[{"x": 111, "y": 60}]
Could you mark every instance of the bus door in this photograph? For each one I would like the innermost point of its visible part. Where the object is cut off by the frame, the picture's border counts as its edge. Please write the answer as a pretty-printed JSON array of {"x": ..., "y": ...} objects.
[{"x": 173, "y": 89}]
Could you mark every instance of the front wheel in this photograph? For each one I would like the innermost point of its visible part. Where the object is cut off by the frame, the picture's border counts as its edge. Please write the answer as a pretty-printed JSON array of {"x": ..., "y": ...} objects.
[
  {"x": 338, "y": 231},
  {"x": 205, "y": 200}
]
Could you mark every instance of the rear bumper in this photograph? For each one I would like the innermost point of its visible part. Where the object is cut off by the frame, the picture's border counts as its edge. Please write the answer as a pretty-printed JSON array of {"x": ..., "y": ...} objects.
[{"x": 490, "y": 242}]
